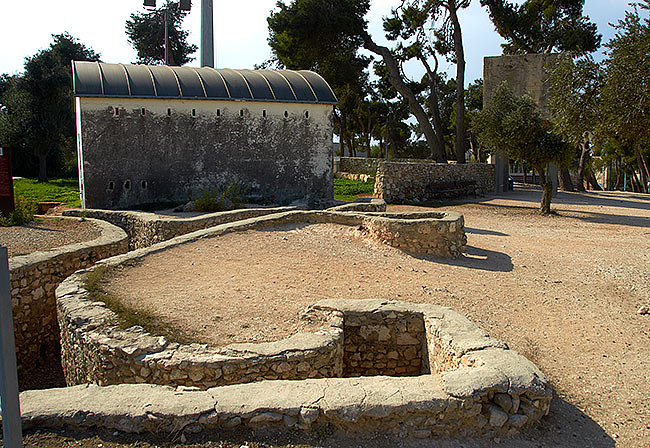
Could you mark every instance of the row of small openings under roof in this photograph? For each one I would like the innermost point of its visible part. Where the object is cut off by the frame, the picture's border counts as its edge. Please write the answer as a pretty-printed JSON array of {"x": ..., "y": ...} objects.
[{"x": 219, "y": 112}]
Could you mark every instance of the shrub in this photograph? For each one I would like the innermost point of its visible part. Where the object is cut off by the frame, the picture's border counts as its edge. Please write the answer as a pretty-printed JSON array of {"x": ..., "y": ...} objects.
[{"x": 24, "y": 212}]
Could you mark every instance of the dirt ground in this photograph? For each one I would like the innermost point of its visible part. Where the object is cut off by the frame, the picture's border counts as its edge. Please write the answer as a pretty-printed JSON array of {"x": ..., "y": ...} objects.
[
  {"x": 46, "y": 233},
  {"x": 563, "y": 290}
]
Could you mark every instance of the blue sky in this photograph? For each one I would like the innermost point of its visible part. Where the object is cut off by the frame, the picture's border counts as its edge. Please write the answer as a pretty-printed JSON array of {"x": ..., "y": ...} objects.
[{"x": 240, "y": 29}]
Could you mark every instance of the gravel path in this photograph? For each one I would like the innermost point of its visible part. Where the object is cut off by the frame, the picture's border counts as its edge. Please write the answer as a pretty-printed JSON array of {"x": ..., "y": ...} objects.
[{"x": 46, "y": 233}]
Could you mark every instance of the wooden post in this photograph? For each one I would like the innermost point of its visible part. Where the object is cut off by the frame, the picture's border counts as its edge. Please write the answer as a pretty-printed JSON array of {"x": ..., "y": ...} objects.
[{"x": 11, "y": 427}]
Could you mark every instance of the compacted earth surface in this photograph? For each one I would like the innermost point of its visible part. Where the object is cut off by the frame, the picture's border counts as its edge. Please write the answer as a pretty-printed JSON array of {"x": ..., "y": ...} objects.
[
  {"x": 564, "y": 290},
  {"x": 46, "y": 233}
]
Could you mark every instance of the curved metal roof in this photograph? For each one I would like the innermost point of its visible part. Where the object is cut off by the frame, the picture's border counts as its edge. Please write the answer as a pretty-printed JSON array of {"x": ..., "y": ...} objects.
[{"x": 98, "y": 79}]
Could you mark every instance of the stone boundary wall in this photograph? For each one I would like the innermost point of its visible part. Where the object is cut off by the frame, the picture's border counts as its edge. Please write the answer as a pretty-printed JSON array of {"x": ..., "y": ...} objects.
[
  {"x": 146, "y": 229},
  {"x": 33, "y": 279},
  {"x": 95, "y": 349},
  {"x": 478, "y": 387},
  {"x": 362, "y": 165},
  {"x": 399, "y": 182}
]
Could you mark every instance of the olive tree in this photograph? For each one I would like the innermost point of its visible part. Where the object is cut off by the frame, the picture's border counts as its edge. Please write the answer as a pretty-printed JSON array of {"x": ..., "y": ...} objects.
[{"x": 515, "y": 126}]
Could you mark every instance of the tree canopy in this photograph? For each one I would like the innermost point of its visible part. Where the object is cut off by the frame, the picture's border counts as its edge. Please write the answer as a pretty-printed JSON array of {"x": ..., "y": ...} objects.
[
  {"x": 515, "y": 126},
  {"x": 543, "y": 26},
  {"x": 37, "y": 106},
  {"x": 145, "y": 32},
  {"x": 626, "y": 98}
]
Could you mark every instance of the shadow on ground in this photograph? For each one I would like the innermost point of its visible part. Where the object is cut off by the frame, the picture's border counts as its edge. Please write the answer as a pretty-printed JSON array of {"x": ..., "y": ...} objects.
[
  {"x": 484, "y": 232},
  {"x": 476, "y": 258}
]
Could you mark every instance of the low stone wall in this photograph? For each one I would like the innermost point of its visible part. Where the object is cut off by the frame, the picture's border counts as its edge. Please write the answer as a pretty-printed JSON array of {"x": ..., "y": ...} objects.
[
  {"x": 361, "y": 205},
  {"x": 146, "y": 229},
  {"x": 33, "y": 279},
  {"x": 362, "y": 165},
  {"x": 399, "y": 182},
  {"x": 476, "y": 386},
  {"x": 95, "y": 349},
  {"x": 440, "y": 234}
]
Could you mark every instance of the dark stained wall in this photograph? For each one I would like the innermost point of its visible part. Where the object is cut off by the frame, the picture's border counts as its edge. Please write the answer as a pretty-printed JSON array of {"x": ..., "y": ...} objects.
[{"x": 182, "y": 147}]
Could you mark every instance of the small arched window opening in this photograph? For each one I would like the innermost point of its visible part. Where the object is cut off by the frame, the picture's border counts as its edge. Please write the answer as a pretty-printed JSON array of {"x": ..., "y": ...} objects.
[{"x": 286, "y": 114}]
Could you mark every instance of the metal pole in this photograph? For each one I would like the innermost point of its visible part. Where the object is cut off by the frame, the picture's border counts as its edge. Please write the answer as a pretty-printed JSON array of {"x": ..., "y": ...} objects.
[
  {"x": 13, "y": 436},
  {"x": 166, "y": 36},
  {"x": 207, "y": 34}
]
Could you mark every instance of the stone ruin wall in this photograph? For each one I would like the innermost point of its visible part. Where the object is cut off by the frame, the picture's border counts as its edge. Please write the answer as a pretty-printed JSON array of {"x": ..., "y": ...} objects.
[
  {"x": 34, "y": 278},
  {"x": 388, "y": 343},
  {"x": 399, "y": 182},
  {"x": 474, "y": 386},
  {"x": 146, "y": 229},
  {"x": 363, "y": 165}
]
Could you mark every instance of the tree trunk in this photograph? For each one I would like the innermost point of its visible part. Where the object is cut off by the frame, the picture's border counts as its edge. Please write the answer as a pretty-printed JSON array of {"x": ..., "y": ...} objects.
[
  {"x": 42, "y": 167},
  {"x": 643, "y": 168},
  {"x": 433, "y": 97},
  {"x": 523, "y": 168},
  {"x": 584, "y": 158},
  {"x": 395, "y": 78},
  {"x": 547, "y": 192},
  {"x": 342, "y": 136},
  {"x": 565, "y": 180},
  {"x": 592, "y": 181},
  {"x": 460, "y": 83},
  {"x": 618, "y": 173}
]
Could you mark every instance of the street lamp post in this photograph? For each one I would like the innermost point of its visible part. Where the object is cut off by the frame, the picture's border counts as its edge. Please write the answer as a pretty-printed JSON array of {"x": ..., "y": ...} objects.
[{"x": 207, "y": 29}]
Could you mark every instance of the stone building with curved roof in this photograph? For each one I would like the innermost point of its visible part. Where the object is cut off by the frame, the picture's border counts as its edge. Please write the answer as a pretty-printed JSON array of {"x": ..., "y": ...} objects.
[{"x": 159, "y": 134}]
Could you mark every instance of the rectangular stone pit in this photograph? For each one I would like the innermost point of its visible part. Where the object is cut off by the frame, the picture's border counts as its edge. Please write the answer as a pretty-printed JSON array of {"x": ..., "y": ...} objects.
[{"x": 384, "y": 343}]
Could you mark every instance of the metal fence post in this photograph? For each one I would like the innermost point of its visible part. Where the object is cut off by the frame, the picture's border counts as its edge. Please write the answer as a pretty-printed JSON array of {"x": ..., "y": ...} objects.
[{"x": 11, "y": 427}]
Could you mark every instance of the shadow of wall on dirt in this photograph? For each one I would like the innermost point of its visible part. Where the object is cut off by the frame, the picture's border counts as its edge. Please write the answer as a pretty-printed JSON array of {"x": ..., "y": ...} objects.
[{"x": 475, "y": 258}]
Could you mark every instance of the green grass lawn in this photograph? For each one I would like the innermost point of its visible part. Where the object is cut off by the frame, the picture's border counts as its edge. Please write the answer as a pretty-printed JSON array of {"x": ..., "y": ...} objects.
[
  {"x": 347, "y": 190},
  {"x": 67, "y": 190},
  {"x": 59, "y": 190}
]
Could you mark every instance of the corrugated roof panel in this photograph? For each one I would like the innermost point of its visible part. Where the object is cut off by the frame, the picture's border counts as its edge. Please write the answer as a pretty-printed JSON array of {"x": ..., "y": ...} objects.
[
  {"x": 86, "y": 81},
  {"x": 165, "y": 81},
  {"x": 279, "y": 84},
  {"x": 322, "y": 90},
  {"x": 236, "y": 84},
  {"x": 140, "y": 80},
  {"x": 156, "y": 81},
  {"x": 300, "y": 87},
  {"x": 258, "y": 85},
  {"x": 190, "y": 83},
  {"x": 114, "y": 79},
  {"x": 213, "y": 83}
]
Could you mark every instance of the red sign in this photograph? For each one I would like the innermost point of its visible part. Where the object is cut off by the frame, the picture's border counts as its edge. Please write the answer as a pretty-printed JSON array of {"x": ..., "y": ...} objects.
[{"x": 6, "y": 183}]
